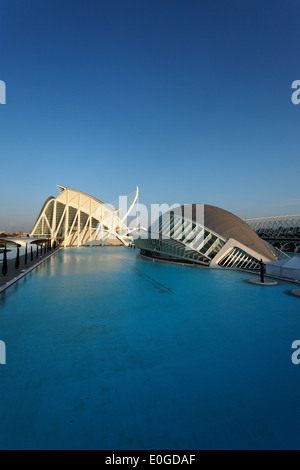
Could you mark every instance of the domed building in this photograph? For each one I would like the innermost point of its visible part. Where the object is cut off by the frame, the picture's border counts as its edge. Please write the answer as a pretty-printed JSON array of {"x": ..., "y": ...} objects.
[{"x": 207, "y": 236}]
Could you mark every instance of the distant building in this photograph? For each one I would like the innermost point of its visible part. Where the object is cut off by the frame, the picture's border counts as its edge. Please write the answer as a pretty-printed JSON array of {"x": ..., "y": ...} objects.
[{"x": 281, "y": 232}]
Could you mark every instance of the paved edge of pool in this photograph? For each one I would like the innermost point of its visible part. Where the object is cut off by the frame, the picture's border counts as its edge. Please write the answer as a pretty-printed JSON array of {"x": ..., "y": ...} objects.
[{"x": 32, "y": 268}]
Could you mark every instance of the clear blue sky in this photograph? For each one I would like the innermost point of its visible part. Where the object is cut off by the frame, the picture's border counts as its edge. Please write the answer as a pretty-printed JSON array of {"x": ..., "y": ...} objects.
[{"x": 189, "y": 99}]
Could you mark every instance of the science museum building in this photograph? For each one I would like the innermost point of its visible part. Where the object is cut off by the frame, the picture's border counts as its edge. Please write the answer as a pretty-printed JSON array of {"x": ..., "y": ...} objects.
[{"x": 206, "y": 236}]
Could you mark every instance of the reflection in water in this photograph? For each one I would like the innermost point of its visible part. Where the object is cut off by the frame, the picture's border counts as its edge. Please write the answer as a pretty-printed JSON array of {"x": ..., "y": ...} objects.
[
  {"x": 41, "y": 270},
  {"x": 108, "y": 351},
  {"x": 2, "y": 298}
]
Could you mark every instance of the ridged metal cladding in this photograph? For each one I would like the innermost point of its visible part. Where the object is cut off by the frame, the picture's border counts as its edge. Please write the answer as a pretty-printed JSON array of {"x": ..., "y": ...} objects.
[{"x": 228, "y": 225}]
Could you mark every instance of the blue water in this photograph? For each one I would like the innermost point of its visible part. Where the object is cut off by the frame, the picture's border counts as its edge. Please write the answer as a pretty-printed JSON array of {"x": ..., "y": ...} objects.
[{"x": 107, "y": 351}]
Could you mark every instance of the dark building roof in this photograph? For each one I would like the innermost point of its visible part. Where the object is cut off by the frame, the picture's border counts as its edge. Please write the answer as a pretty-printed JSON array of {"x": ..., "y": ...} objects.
[{"x": 228, "y": 225}]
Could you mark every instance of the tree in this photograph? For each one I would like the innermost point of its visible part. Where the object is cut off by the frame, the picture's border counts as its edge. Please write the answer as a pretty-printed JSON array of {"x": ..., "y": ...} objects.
[
  {"x": 17, "y": 265},
  {"x": 26, "y": 255},
  {"x": 4, "y": 266}
]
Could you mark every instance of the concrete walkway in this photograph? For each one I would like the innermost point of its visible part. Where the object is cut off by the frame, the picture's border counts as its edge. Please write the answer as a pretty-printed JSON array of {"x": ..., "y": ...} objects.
[{"x": 13, "y": 273}]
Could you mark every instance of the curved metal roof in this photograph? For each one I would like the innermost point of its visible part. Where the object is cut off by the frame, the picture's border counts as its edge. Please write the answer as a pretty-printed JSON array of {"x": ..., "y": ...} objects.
[{"x": 228, "y": 225}]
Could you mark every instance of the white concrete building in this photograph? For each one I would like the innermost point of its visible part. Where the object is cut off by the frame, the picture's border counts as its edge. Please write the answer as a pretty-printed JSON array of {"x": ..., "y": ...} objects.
[{"x": 76, "y": 219}]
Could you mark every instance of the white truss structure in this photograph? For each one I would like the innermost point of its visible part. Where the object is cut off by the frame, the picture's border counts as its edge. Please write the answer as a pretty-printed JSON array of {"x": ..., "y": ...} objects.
[
  {"x": 282, "y": 232},
  {"x": 277, "y": 226},
  {"x": 77, "y": 219}
]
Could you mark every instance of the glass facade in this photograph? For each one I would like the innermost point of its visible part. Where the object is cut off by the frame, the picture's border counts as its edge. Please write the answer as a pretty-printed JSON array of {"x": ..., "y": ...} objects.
[{"x": 175, "y": 238}]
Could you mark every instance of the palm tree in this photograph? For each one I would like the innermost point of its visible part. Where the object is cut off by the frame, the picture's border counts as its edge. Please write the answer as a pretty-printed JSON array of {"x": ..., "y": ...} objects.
[{"x": 4, "y": 266}]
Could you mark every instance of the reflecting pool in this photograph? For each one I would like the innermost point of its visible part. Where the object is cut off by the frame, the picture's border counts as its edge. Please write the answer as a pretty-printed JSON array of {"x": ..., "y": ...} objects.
[{"x": 108, "y": 351}]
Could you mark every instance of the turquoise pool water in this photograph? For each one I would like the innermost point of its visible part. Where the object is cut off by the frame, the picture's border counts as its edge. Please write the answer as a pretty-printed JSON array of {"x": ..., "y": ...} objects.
[{"x": 107, "y": 351}]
